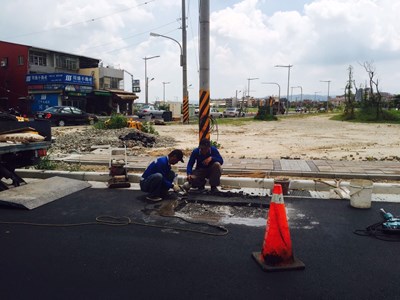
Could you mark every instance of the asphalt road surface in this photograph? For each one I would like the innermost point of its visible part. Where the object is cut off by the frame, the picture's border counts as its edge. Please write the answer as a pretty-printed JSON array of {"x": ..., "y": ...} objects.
[{"x": 141, "y": 262}]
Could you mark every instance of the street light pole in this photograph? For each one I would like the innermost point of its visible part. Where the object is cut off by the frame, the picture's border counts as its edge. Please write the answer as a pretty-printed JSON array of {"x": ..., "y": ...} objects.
[
  {"x": 301, "y": 95},
  {"x": 236, "y": 98},
  {"x": 279, "y": 93},
  {"x": 248, "y": 86},
  {"x": 327, "y": 99},
  {"x": 291, "y": 93},
  {"x": 164, "y": 83},
  {"x": 146, "y": 79},
  {"x": 183, "y": 64},
  {"x": 288, "y": 80},
  {"x": 315, "y": 96}
]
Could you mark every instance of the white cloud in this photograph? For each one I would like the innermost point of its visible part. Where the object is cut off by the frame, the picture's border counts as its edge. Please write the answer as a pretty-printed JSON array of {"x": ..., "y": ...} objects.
[{"x": 248, "y": 38}]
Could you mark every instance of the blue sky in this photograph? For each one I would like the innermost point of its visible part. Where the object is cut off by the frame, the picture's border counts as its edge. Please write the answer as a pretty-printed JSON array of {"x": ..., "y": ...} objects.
[{"x": 247, "y": 39}]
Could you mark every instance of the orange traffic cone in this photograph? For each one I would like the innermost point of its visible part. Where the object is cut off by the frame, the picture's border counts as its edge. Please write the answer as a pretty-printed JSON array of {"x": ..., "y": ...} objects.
[{"x": 277, "y": 254}]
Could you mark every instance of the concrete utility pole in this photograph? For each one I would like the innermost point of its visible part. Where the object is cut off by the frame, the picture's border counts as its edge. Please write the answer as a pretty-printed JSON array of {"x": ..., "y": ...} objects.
[
  {"x": 185, "y": 107},
  {"x": 183, "y": 62},
  {"x": 204, "y": 57}
]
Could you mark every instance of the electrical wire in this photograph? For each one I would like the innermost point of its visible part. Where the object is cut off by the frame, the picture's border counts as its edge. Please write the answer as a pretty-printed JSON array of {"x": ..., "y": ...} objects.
[
  {"x": 83, "y": 22},
  {"x": 124, "y": 221},
  {"x": 214, "y": 127}
]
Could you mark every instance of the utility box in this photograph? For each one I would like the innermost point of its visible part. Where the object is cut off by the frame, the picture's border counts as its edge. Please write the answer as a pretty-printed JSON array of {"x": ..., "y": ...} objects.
[{"x": 176, "y": 109}]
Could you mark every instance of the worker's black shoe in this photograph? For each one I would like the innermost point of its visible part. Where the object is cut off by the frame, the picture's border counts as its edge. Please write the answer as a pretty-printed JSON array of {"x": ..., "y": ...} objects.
[
  {"x": 214, "y": 189},
  {"x": 153, "y": 198},
  {"x": 169, "y": 196}
]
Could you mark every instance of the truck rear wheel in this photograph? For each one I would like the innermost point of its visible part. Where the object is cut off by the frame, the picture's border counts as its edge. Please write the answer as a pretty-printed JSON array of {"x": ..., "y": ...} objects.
[{"x": 61, "y": 123}]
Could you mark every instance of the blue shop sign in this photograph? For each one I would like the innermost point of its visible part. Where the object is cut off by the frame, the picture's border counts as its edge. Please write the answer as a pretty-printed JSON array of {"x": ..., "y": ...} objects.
[
  {"x": 43, "y": 101},
  {"x": 61, "y": 78}
]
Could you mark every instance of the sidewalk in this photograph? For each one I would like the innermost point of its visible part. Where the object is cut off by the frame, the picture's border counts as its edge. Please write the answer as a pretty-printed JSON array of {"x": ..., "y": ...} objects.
[{"x": 333, "y": 169}]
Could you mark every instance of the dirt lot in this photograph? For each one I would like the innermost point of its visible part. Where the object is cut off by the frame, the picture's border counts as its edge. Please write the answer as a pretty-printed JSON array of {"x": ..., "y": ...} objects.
[{"x": 313, "y": 137}]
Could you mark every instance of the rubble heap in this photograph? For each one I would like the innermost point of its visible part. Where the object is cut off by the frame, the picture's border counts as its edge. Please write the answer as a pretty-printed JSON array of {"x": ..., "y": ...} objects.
[
  {"x": 136, "y": 137},
  {"x": 82, "y": 140}
]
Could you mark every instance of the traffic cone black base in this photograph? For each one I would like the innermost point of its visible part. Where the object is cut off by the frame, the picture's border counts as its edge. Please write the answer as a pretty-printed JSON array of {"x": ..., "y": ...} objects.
[{"x": 295, "y": 265}]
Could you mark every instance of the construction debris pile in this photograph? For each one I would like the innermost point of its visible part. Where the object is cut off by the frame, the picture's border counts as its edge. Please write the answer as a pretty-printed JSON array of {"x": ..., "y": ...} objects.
[
  {"x": 135, "y": 136},
  {"x": 81, "y": 141}
]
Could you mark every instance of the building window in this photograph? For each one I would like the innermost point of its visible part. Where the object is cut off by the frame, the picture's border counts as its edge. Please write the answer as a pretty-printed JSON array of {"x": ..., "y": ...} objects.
[
  {"x": 68, "y": 63},
  {"x": 4, "y": 62},
  {"x": 38, "y": 58},
  {"x": 20, "y": 60},
  {"x": 114, "y": 83},
  {"x": 109, "y": 83}
]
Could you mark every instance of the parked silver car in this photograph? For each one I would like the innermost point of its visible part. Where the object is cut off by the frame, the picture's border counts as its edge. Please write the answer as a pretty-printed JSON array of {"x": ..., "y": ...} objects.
[
  {"x": 215, "y": 113},
  {"x": 151, "y": 111},
  {"x": 233, "y": 112}
]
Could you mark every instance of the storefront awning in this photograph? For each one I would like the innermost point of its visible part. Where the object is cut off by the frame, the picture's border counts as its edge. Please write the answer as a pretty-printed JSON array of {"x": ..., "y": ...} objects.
[
  {"x": 102, "y": 93},
  {"x": 127, "y": 97},
  {"x": 123, "y": 95}
]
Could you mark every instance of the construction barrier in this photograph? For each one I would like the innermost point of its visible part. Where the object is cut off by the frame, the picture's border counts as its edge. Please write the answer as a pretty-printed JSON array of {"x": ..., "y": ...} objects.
[{"x": 277, "y": 253}]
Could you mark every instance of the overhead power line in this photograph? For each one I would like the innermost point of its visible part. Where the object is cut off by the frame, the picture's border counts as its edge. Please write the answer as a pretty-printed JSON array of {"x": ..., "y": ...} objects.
[{"x": 81, "y": 22}]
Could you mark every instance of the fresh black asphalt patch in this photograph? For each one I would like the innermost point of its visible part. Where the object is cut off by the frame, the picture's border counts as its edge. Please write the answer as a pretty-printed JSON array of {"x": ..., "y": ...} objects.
[{"x": 139, "y": 262}]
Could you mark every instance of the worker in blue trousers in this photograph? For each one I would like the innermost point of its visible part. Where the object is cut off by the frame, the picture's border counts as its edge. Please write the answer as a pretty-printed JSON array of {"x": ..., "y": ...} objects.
[
  {"x": 208, "y": 166},
  {"x": 158, "y": 177}
]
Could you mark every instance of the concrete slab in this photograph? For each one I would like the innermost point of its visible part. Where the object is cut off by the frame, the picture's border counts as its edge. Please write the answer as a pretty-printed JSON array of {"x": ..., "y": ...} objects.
[{"x": 39, "y": 193}]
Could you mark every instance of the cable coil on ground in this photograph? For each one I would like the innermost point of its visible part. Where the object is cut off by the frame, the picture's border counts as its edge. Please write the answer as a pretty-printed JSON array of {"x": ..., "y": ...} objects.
[{"x": 379, "y": 232}]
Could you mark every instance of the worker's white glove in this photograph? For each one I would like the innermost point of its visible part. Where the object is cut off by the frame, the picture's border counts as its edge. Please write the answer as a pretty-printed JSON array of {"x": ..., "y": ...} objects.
[{"x": 176, "y": 187}]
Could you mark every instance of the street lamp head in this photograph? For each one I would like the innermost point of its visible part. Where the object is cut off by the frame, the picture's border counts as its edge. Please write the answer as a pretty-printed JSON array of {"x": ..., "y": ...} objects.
[
  {"x": 284, "y": 66},
  {"x": 150, "y": 57},
  {"x": 154, "y": 34}
]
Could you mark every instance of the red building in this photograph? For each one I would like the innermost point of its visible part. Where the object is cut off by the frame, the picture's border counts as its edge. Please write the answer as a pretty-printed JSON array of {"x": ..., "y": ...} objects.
[
  {"x": 33, "y": 79},
  {"x": 14, "y": 65}
]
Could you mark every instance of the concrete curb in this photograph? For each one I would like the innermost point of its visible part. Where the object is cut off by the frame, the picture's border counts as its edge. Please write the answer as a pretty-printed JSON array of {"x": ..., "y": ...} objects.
[
  {"x": 234, "y": 182},
  {"x": 287, "y": 173}
]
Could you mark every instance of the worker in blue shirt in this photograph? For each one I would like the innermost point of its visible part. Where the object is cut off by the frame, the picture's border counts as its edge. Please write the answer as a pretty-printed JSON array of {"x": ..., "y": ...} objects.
[
  {"x": 208, "y": 166},
  {"x": 158, "y": 177}
]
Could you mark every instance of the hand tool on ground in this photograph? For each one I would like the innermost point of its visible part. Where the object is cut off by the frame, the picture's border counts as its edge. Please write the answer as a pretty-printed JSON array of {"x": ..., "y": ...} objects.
[{"x": 391, "y": 223}]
